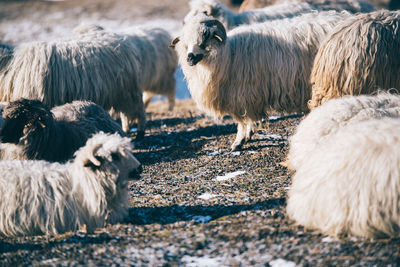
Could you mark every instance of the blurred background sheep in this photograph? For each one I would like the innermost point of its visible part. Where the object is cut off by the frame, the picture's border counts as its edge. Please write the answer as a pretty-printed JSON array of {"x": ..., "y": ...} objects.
[
  {"x": 349, "y": 185},
  {"x": 102, "y": 68},
  {"x": 254, "y": 68},
  {"x": 326, "y": 120},
  {"x": 30, "y": 130},
  {"x": 279, "y": 10},
  {"x": 158, "y": 62},
  {"x": 352, "y": 6},
  {"x": 39, "y": 197},
  {"x": 360, "y": 56}
]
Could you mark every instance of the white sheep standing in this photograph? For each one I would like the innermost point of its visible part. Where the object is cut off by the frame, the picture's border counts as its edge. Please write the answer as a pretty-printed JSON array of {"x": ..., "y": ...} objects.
[
  {"x": 30, "y": 130},
  {"x": 326, "y": 120},
  {"x": 158, "y": 62},
  {"x": 38, "y": 197},
  {"x": 359, "y": 56},
  {"x": 253, "y": 69},
  {"x": 350, "y": 184},
  {"x": 285, "y": 9},
  {"x": 104, "y": 69}
]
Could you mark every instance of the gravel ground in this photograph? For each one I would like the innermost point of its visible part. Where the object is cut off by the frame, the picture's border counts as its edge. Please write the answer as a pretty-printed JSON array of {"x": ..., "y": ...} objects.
[{"x": 198, "y": 204}]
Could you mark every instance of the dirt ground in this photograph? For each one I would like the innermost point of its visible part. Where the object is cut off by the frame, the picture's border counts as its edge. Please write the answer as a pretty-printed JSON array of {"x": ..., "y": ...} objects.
[{"x": 186, "y": 210}]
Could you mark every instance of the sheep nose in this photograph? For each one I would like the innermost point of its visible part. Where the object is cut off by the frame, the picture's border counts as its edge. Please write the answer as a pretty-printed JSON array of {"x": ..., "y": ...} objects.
[
  {"x": 135, "y": 174},
  {"x": 193, "y": 59}
]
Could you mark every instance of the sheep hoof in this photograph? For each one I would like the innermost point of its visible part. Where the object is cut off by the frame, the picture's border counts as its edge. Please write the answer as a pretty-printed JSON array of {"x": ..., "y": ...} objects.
[
  {"x": 237, "y": 147},
  {"x": 140, "y": 135}
]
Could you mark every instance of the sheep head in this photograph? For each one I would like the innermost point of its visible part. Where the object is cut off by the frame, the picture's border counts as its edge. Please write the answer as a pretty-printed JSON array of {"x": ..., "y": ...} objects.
[
  {"x": 110, "y": 153},
  {"x": 201, "y": 37},
  {"x": 210, "y": 8},
  {"x": 23, "y": 116}
]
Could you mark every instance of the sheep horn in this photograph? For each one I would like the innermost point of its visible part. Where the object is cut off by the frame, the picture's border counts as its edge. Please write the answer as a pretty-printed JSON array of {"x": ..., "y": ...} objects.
[{"x": 218, "y": 37}]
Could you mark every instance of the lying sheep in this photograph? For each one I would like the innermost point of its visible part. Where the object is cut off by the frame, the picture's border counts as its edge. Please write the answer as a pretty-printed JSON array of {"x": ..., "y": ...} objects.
[
  {"x": 350, "y": 183},
  {"x": 102, "y": 68},
  {"x": 30, "y": 130},
  {"x": 327, "y": 119},
  {"x": 157, "y": 61},
  {"x": 283, "y": 9},
  {"x": 352, "y": 6},
  {"x": 254, "y": 69},
  {"x": 39, "y": 197},
  {"x": 360, "y": 56}
]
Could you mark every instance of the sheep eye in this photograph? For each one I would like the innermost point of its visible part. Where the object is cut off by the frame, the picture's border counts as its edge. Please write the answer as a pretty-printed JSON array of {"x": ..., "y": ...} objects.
[{"x": 115, "y": 157}]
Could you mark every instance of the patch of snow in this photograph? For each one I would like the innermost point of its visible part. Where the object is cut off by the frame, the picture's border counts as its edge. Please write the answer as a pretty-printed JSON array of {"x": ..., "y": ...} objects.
[
  {"x": 274, "y": 117},
  {"x": 207, "y": 196},
  {"x": 202, "y": 219},
  {"x": 229, "y": 176},
  {"x": 327, "y": 239},
  {"x": 282, "y": 263},
  {"x": 287, "y": 187},
  {"x": 235, "y": 153},
  {"x": 133, "y": 130},
  {"x": 214, "y": 153},
  {"x": 201, "y": 261}
]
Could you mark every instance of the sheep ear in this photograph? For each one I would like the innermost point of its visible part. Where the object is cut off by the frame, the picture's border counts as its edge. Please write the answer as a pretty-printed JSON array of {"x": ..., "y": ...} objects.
[{"x": 174, "y": 42}]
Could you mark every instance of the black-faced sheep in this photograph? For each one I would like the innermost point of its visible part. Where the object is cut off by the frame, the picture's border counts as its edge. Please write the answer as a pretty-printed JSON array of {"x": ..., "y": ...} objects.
[
  {"x": 360, "y": 56},
  {"x": 38, "y": 197},
  {"x": 254, "y": 69},
  {"x": 352, "y": 6},
  {"x": 157, "y": 61},
  {"x": 350, "y": 183},
  {"x": 327, "y": 119},
  {"x": 283, "y": 9},
  {"x": 30, "y": 130},
  {"x": 102, "y": 68}
]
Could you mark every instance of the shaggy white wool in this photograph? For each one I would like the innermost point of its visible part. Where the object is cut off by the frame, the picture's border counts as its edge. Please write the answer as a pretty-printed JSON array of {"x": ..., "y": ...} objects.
[
  {"x": 350, "y": 183},
  {"x": 253, "y": 69},
  {"x": 39, "y": 197}
]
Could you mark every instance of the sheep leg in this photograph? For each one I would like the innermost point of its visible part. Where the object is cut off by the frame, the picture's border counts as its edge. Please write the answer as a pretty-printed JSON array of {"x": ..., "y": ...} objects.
[
  {"x": 147, "y": 98},
  {"x": 240, "y": 137},
  {"x": 141, "y": 124},
  {"x": 124, "y": 122},
  {"x": 171, "y": 100},
  {"x": 249, "y": 131}
]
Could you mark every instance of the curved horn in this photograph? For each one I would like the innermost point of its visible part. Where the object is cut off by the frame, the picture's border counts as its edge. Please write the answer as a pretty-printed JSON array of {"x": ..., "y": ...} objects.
[{"x": 217, "y": 29}]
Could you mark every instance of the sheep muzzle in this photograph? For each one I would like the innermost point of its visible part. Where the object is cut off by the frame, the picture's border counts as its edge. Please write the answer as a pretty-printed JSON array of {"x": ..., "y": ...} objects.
[
  {"x": 135, "y": 174},
  {"x": 193, "y": 59}
]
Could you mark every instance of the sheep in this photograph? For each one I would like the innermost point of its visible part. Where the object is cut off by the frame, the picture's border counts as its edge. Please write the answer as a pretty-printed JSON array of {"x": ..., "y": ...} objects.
[
  {"x": 325, "y": 121},
  {"x": 30, "y": 130},
  {"x": 43, "y": 198},
  {"x": 253, "y": 69},
  {"x": 352, "y": 6},
  {"x": 230, "y": 20},
  {"x": 102, "y": 68},
  {"x": 158, "y": 62},
  {"x": 286, "y": 9},
  {"x": 360, "y": 56},
  {"x": 350, "y": 184}
]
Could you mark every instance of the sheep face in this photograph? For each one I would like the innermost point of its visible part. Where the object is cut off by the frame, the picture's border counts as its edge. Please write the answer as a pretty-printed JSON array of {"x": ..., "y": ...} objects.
[
  {"x": 108, "y": 153},
  {"x": 22, "y": 116},
  {"x": 209, "y": 36}
]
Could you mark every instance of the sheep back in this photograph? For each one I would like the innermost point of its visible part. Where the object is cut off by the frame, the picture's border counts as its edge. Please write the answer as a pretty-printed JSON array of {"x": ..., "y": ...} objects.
[{"x": 360, "y": 56}]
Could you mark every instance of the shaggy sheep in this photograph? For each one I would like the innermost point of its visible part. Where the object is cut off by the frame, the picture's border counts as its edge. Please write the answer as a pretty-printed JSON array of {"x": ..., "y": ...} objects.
[
  {"x": 350, "y": 183},
  {"x": 359, "y": 56},
  {"x": 102, "y": 68},
  {"x": 285, "y": 9},
  {"x": 254, "y": 69},
  {"x": 39, "y": 197},
  {"x": 230, "y": 20},
  {"x": 352, "y": 6},
  {"x": 327, "y": 119},
  {"x": 31, "y": 131},
  {"x": 157, "y": 61}
]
